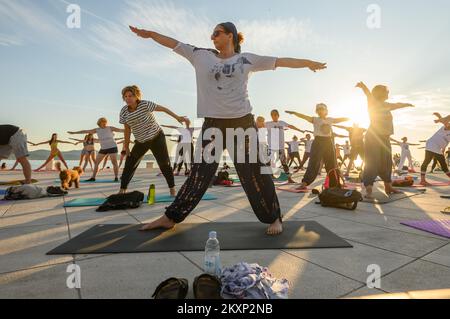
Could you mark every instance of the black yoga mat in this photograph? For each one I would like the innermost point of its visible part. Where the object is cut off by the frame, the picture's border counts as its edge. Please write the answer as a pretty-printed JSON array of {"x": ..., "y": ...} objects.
[
  {"x": 126, "y": 238},
  {"x": 382, "y": 198}
]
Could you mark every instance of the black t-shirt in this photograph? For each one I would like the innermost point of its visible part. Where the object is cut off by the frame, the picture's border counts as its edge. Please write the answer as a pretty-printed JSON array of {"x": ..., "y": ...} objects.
[{"x": 6, "y": 131}]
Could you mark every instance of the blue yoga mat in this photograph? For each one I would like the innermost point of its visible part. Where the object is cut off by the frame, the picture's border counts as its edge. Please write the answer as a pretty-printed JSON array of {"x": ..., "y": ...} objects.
[
  {"x": 88, "y": 202},
  {"x": 2, "y": 191},
  {"x": 101, "y": 181}
]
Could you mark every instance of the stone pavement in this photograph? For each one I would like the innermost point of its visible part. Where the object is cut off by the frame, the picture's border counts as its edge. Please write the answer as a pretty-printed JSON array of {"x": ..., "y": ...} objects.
[{"x": 409, "y": 259}]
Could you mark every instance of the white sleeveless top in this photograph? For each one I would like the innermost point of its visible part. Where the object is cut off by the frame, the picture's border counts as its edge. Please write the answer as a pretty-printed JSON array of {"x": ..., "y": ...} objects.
[{"x": 106, "y": 138}]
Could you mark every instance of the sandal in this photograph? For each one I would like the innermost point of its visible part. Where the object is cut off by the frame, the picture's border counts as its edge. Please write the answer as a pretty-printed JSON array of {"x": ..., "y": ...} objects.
[
  {"x": 446, "y": 211},
  {"x": 172, "y": 288},
  {"x": 207, "y": 287}
]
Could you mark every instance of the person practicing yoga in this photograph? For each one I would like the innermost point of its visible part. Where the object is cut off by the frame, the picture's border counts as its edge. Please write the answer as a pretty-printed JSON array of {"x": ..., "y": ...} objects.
[
  {"x": 14, "y": 140},
  {"x": 405, "y": 154},
  {"x": 356, "y": 135},
  {"x": 323, "y": 148},
  {"x": 338, "y": 148},
  {"x": 54, "y": 151},
  {"x": 347, "y": 151},
  {"x": 307, "y": 141},
  {"x": 88, "y": 152},
  {"x": 222, "y": 99},
  {"x": 263, "y": 146},
  {"x": 123, "y": 155},
  {"x": 108, "y": 146},
  {"x": 138, "y": 118},
  {"x": 294, "y": 152},
  {"x": 275, "y": 130},
  {"x": 377, "y": 143},
  {"x": 435, "y": 148},
  {"x": 185, "y": 148}
]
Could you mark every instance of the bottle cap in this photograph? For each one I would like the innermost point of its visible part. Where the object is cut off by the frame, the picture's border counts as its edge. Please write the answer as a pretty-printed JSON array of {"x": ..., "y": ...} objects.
[{"x": 212, "y": 234}]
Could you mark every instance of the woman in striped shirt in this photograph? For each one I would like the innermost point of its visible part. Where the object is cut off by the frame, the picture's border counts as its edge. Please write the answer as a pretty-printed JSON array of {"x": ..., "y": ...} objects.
[{"x": 137, "y": 117}]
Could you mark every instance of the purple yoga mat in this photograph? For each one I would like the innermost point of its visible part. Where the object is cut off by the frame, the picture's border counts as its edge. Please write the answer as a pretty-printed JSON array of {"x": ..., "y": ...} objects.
[{"x": 437, "y": 227}]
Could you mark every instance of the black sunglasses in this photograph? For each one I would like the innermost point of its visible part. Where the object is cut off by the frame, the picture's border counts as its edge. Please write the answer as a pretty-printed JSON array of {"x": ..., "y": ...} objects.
[{"x": 217, "y": 33}]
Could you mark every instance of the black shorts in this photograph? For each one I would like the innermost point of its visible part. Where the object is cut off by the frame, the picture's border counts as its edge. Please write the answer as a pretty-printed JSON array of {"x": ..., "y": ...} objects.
[{"x": 113, "y": 150}]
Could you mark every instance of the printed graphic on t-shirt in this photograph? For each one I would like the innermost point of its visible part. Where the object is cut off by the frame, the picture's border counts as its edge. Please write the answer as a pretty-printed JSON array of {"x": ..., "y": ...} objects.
[{"x": 227, "y": 70}]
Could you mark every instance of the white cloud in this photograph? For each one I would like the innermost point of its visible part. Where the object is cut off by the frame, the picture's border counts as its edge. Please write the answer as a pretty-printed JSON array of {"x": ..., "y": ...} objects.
[
  {"x": 112, "y": 42},
  {"x": 8, "y": 40}
]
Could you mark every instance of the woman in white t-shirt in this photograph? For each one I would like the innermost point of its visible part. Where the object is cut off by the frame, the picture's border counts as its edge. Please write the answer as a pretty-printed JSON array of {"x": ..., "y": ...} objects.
[
  {"x": 222, "y": 99},
  {"x": 323, "y": 146},
  {"x": 405, "y": 154},
  {"x": 435, "y": 148},
  {"x": 184, "y": 153},
  {"x": 108, "y": 146}
]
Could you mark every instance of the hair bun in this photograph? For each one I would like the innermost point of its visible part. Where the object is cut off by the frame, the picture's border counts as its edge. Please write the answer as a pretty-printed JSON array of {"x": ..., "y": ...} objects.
[{"x": 240, "y": 37}]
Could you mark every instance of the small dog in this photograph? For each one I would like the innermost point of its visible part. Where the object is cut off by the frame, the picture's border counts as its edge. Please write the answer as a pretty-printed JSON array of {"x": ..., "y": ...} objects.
[{"x": 69, "y": 176}]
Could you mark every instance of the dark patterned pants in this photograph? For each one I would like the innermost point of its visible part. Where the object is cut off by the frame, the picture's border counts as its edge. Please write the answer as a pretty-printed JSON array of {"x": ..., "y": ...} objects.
[{"x": 258, "y": 187}]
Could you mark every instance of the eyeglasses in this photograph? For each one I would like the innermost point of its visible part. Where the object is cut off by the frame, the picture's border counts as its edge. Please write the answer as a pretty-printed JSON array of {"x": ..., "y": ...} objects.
[{"x": 217, "y": 33}]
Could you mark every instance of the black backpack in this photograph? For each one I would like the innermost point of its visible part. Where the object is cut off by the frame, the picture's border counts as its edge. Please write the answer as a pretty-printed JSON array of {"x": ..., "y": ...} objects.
[
  {"x": 336, "y": 195},
  {"x": 122, "y": 201}
]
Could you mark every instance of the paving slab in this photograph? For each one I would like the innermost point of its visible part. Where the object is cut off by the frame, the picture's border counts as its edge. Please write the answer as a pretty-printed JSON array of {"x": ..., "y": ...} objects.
[
  {"x": 48, "y": 282},
  {"x": 137, "y": 276},
  {"x": 353, "y": 262},
  {"x": 419, "y": 275},
  {"x": 302, "y": 275}
]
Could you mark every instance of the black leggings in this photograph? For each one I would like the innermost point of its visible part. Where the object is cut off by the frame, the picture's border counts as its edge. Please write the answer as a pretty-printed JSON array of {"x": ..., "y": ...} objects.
[
  {"x": 306, "y": 156},
  {"x": 258, "y": 187},
  {"x": 293, "y": 156},
  {"x": 158, "y": 147},
  {"x": 429, "y": 156},
  {"x": 322, "y": 149}
]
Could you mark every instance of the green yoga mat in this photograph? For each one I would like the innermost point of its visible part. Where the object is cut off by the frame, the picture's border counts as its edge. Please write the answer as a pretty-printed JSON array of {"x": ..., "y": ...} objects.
[
  {"x": 126, "y": 238},
  {"x": 88, "y": 202},
  {"x": 100, "y": 181}
]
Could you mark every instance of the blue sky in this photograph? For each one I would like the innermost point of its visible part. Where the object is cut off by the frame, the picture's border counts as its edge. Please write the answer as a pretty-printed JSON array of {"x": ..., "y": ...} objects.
[{"x": 56, "y": 79}]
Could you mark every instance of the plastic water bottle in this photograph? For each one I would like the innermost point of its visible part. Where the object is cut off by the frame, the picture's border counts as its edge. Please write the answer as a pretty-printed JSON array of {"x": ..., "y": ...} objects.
[
  {"x": 212, "y": 263},
  {"x": 151, "y": 195}
]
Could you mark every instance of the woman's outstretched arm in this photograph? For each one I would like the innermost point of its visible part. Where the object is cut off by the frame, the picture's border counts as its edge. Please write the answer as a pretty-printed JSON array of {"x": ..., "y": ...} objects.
[
  {"x": 299, "y": 64},
  {"x": 93, "y": 131},
  {"x": 365, "y": 89},
  {"x": 441, "y": 119},
  {"x": 159, "y": 38},
  {"x": 180, "y": 119},
  {"x": 41, "y": 143},
  {"x": 302, "y": 116},
  {"x": 340, "y": 120},
  {"x": 396, "y": 106}
]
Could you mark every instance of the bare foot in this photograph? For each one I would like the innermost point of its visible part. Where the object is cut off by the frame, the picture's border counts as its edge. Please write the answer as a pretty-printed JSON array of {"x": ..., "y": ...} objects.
[
  {"x": 368, "y": 194},
  {"x": 173, "y": 192},
  {"x": 162, "y": 222},
  {"x": 390, "y": 190},
  {"x": 302, "y": 187},
  {"x": 275, "y": 228},
  {"x": 424, "y": 183}
]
